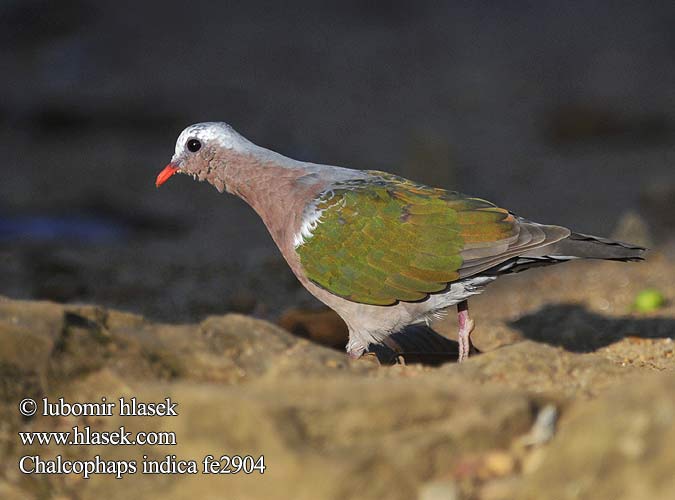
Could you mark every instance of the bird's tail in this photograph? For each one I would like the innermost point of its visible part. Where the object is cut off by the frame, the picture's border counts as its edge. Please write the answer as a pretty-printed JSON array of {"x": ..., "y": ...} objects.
[{"x": 585, "y": 246}]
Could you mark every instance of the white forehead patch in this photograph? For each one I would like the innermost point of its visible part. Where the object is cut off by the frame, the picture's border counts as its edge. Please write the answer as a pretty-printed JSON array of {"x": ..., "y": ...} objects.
[{"x": 212, "y": 132}]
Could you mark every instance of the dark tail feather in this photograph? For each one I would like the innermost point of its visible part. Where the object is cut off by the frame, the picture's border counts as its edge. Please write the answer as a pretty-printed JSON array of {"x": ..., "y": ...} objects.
[{"x": 585, "y": 246}]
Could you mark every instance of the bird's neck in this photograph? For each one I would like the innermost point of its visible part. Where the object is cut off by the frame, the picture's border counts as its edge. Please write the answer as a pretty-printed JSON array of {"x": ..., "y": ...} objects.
[{"x": 276, "y": 187}]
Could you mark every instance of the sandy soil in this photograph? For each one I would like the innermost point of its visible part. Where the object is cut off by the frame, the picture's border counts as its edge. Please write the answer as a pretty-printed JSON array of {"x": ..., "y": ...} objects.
[{"x": 571, "y": 398}]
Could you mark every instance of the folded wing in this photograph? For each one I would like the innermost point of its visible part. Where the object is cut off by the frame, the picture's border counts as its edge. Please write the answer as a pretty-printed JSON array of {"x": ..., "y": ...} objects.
[{"x": 385, "y": 239}]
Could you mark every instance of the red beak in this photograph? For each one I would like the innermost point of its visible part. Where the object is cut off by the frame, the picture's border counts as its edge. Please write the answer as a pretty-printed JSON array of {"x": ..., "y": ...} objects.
[{"x": 164, "y": 175}]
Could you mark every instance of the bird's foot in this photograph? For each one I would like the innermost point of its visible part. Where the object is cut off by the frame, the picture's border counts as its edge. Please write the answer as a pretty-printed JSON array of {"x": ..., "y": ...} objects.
[
  {"x": 398, "y": 351},
  {"x": 355, "y": 349},
  {"x": 464, "y": 337},
  {"x": 355, "y": 353},
  {"x": 466, "y": 325}
]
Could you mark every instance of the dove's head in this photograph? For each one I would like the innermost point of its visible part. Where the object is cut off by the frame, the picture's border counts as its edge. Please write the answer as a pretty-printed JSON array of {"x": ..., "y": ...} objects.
[{"x": 202, "y": 151}]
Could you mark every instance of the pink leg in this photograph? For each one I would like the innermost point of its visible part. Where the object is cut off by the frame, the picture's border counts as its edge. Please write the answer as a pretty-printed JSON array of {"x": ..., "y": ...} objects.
[{"x": 465, "y": 328}]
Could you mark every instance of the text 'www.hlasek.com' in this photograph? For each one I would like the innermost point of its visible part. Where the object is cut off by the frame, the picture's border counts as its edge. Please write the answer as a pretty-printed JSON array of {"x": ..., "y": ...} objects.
[{"x": 42, "y": 459}]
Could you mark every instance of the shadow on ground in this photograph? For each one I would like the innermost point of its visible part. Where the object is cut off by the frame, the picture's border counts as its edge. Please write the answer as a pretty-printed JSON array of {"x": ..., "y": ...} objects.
[
  {"x": 577, "y": 329},
  {"x": 417, "y": 344},
  {"x": 570, "y": 326}
]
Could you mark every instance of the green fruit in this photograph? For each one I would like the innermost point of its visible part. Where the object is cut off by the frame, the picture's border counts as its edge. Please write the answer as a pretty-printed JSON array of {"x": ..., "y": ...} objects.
[{"x": 649, "y": 300}]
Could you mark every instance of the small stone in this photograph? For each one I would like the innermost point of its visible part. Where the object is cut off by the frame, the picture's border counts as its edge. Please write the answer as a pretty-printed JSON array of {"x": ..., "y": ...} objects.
[
  {"x": 499, "y": 463},
  {"x": 439, "y": 490},
  {"x": 543, "y": 428}
]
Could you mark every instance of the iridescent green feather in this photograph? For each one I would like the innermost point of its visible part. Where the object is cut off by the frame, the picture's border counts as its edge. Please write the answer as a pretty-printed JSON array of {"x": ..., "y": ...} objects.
[{"x": 385, "y": 239}]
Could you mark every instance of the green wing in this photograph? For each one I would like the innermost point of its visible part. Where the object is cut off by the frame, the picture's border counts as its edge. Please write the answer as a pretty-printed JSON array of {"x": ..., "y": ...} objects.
[{"x": 385, "y": 239}]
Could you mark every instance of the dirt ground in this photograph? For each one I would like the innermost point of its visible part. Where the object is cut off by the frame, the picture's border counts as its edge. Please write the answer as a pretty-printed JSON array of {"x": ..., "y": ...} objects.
[{"x": 572, "y": 397}]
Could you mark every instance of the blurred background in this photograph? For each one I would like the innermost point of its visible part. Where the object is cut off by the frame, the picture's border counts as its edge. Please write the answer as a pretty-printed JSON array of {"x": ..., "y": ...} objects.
[{"x": 563, "y": 112}]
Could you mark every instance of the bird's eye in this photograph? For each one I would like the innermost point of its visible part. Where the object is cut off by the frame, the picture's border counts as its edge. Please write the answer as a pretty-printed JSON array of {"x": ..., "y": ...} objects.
[{"x": 193, "y": 145}]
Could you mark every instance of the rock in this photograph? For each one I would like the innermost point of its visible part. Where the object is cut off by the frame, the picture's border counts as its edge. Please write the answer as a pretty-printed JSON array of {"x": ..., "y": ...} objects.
[
  {"x": 541, "y": 369},
  {"x": 368, "y": 430},
  {"x": 484, "y": 429},
  {"x": 544, "y": 427},
  {"x": 619, "y": 447},
  {"x": 28, "y": 335},
  {"x": 11, "y": 492},
  {"x": 245, "y": 386}
]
